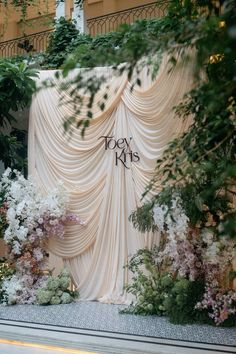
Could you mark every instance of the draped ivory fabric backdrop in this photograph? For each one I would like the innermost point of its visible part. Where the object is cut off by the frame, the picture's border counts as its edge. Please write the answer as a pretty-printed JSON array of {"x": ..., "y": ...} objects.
[{"x": 103, "y": 192}]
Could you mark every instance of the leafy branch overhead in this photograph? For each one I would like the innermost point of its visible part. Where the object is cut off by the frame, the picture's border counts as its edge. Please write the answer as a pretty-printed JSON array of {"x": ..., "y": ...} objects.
[
  {"x": 16, "y": 88},
  {"x": 200, "y": 165}
]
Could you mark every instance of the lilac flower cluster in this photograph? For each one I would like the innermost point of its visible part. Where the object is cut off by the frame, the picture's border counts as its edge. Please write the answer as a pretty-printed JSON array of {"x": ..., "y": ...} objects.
[
  {"x": 182, "y": 246},
  {"x": 194, "y": 253},
  {"x": 219, "y": 303}
]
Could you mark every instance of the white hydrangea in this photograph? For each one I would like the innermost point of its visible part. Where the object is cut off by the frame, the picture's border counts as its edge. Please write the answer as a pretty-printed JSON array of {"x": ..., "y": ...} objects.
[
  {"x": 212, "y": 252},
  {"x": 31, "y": 218},
  {"x": 11, "y": 287},
  {"x": 16, "y": 247},
  {"x": 207, "y": 236},
  {"x": 26, "y": 206}
]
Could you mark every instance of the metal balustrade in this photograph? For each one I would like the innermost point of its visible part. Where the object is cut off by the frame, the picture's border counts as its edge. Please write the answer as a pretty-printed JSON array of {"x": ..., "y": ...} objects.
[
  {"x": 110, "y": 22},
  {"x": 38, "y": 42},
  {"x": 34, "y": 43}
]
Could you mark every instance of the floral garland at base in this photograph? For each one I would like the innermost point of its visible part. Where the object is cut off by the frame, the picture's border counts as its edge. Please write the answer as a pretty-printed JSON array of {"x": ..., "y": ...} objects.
[
  {"x": 197, "y": 254},
  {"x": 184, "y": 277}
]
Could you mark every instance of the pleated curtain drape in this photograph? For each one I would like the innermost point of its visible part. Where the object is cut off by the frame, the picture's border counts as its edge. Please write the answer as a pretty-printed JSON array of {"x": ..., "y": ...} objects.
[{"x": 103, "y": 192}]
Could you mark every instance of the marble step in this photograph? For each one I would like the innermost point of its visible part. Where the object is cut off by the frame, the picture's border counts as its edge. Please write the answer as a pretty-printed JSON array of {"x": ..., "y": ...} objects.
[{"x": 26, "y": 338}]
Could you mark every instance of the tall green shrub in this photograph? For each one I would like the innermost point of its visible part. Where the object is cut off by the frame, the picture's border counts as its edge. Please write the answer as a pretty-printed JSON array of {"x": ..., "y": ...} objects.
[
  {"x": 16, "y": 88},
  {"x": 65, "y": 32}
]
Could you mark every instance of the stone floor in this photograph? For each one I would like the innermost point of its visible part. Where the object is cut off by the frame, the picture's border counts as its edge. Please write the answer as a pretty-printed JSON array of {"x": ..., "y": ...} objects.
[
  {"x": 95, "y": 316},
  {"x": 14, "y": 347}
]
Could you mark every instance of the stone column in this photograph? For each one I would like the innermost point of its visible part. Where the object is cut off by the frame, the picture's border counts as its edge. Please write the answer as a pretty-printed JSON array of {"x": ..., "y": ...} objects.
[
  {"x": 60, "y": 9},
  {"x": 78, "y": 16}
]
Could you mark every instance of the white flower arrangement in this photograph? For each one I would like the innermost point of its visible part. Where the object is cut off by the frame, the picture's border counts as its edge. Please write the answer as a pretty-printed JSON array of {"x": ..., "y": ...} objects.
[
  {"x": 31, "y": 219},
  {"x": 195, "y": 254}
]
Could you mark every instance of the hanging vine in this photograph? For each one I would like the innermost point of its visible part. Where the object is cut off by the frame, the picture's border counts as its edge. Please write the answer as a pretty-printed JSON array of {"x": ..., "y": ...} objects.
[{"x": 22, "y": 7}]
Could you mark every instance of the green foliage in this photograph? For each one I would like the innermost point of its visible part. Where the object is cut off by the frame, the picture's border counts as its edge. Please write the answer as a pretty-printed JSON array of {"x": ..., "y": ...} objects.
[
  {"x": 159, "y": 293},
  {"x": 5, "y": 272},
  {"x": 126, "y": 44},
  {"x": 16, "y": 88},
  {"x": 200, "y": 165},
  {"x": 59, "y": 44},
  {"x": 22, "y": 8},
  {"x": 203, "y": 317},
  {"x": 142, "y": 218},
  {"x": 181, "y": 300},
  {"x": 232, "y": 274},
  {"x": 13, "y": 149},
  {"x": 33, "y": 60},
  {"x": 148, "y": 285},
  {"x": 89, "y": 52},
  {"x": 23, "y": 5}
]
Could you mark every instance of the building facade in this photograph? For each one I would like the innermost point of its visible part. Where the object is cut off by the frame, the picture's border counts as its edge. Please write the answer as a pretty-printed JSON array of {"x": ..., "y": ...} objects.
[{"x": 94, "y": 17}]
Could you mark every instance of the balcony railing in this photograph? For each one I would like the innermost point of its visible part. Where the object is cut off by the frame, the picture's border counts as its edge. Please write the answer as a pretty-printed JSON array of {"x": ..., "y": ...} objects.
[
  {"x": 110, "y": 22},
  {"x": 38, "y": 42},
  {"x": 34, "y": 43}
]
